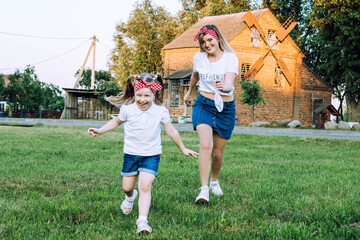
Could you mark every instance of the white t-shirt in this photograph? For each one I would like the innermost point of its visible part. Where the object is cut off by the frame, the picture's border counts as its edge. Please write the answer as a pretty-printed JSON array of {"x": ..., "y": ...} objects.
[
  {"x": 211, "y": 71},
  {"x": 142, "y": 129}
]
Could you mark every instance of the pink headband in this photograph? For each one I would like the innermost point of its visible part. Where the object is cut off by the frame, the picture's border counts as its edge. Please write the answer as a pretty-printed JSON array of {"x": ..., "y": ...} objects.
[
  {"x": 206, "y": 31},
  {"x": 142, "y": 84}
]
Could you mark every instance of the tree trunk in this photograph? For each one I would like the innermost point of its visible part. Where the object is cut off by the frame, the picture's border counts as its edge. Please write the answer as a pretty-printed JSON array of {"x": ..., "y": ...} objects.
[
  {"x": 353, "y": 110},
  {"x": 353, "y": 105}
]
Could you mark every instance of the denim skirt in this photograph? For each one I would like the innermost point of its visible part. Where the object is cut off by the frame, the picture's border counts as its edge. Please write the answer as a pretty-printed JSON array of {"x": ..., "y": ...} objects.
[{"x": 205, "y": 112}]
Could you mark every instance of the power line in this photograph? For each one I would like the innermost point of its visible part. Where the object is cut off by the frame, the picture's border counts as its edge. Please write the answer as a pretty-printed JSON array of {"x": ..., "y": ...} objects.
[
  {"x": 41, "y": 37},
  {"x": 46, "y": 60},
  {"x": 104, "y": 45}
]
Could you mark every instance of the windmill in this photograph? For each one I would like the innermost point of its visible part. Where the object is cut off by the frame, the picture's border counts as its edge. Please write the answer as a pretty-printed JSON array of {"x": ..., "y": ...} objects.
[{"x": 281, "y": 34}]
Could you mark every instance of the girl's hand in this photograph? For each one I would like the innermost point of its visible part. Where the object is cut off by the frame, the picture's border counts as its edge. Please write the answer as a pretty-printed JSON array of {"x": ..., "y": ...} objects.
[
  {"x": 219, "y": 85},
  {"x": 189, "y": 152},
  {"x": 94, "y": 132},
  {"x": 187, "y": 98}
]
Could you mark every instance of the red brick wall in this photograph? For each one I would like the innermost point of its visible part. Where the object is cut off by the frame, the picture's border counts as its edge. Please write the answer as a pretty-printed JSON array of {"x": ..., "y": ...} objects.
[{"x": 280, "y": 101}]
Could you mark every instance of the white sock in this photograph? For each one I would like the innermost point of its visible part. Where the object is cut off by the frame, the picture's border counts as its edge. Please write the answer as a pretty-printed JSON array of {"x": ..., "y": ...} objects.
[
  {"x": 142, "y": 218},
  {"x": 206, "y": 188},
  {"x": 130, "y": 199},
  {"x": 214, "y": 182}
]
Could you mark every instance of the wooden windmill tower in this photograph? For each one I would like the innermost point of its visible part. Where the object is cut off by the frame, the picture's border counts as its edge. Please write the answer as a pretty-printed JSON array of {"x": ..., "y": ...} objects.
[
  {"x": 92, "y": 46},
  {"x": 72, "y": 94},
  {"x": 281, "y": 34}
]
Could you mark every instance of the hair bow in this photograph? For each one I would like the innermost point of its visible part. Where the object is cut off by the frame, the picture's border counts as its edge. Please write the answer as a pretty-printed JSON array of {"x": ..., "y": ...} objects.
[
  {"x": 206, "y": 31},
  {"x": 142, "y": 84}
]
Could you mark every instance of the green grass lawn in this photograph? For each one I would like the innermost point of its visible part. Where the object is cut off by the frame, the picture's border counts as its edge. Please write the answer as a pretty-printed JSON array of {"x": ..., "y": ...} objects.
[{"x": 56, "y": 182}]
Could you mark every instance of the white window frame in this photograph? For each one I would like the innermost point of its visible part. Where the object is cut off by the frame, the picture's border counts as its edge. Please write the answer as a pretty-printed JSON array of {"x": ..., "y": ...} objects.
[
  {"x": 245, "y": 67},
  {"x": 255, "y": 37},
  {"x": 271, "y": 38}
]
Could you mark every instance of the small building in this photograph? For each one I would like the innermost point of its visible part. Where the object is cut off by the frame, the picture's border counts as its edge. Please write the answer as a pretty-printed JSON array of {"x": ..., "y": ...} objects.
[
  {"x": 81, "y": 104},
  {"x": 296, "y": 101},
  {"x": 322, "y": 115}
]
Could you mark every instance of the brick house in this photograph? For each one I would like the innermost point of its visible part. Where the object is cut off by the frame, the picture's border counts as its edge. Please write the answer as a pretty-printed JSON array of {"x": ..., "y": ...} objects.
[{"x": 283, "y": 101}]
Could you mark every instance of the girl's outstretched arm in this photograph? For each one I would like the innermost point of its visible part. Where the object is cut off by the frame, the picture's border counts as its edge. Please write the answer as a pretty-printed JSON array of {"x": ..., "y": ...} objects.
[
  {"x": 110, "y": 125},
  {"x": 175, "y": 137}
]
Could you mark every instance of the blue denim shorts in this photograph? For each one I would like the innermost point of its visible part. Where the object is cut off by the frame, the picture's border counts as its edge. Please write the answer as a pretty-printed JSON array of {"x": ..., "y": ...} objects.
[
  {"x": 134, "y": 164},
  {"x": 205, "y": 112}
]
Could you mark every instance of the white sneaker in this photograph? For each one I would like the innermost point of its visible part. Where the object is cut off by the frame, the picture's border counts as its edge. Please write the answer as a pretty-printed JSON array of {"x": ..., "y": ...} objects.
[
  {"x": 143, "y": 227},
  {"x": 127, "y": 204},
  {"x": 215, "y": 188},
  {"x": 203, "y": 197}
]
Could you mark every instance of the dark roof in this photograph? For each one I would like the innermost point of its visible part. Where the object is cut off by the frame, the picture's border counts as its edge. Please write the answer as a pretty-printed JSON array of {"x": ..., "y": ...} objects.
[
  {"x": 328, "y": 107},
  {"x": 185, "y": 73},
  {"x": 87, "y": 93},
  {"x": 230, "y": 26}
]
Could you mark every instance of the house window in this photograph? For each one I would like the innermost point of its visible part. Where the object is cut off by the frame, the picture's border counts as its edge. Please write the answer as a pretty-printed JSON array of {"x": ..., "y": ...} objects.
[
  {"x": 271, "y": 38},
  {"x": 244, "y": 69},
  {"x": 175, "y": 93},
  {"x": 255, "y": 37},
  {"x": 278, "y": 78},
  {"x": 2, "y": 106}
]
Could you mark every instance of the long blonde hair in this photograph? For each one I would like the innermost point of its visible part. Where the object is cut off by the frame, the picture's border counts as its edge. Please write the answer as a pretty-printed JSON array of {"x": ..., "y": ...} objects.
[
  {"x": 128, "y": 96},
  {"x": 223, "y": 44}
]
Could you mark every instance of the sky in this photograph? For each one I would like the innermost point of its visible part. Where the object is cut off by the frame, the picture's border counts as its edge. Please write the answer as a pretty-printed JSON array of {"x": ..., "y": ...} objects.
[{"x": 54, "y": 36}]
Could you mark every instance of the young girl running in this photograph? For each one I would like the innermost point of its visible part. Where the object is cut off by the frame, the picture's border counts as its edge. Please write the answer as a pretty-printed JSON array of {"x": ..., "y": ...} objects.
[{"x": 141, "y": 114}]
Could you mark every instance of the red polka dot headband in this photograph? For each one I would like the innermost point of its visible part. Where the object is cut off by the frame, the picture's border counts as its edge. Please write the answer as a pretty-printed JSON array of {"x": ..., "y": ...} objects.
[
  {"x": 206, "y": 31},
  {"x": 142, "y": 84}
]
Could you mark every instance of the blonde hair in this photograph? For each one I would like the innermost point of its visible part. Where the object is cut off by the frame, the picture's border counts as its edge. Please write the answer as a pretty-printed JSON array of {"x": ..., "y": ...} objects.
[
  {"x": 223, "y": 44},
  {"x": 128, "y": 96}
]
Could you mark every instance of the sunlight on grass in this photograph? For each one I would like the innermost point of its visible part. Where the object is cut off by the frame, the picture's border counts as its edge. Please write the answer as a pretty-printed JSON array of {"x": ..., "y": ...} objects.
[{"x": 56, "y": 182}]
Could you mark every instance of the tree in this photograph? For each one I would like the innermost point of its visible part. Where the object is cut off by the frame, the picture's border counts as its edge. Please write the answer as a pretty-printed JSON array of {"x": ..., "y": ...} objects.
[
  {"x": 193, "y": 10},
  {"x": 297, "y": 9},
  {"x": 104, "y": 85},
  {"x": 2, "y": 85},
  {"x": 251, "y": 94},
  {"x": 53, "y": 98},
  {"x": 338, "y": 26},
  {"x": 139, "y": 41},
  {"x": 106, "y": 89},
  {"x": 85, "y": 80},
  {"x": 25, "y": 91}
]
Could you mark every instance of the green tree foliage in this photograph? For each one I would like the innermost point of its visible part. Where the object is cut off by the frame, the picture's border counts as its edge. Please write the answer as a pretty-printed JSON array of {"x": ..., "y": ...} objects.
[
  {"x": 297, "y": 9},
  {"x": 338, "y": 26},
  {"x": 139, "y": 41},
  {"x": 104, "y": 85},
  {"x": 2, "y": 85},
  {"x": 54, "y": 100},
  {"x": 106, "y": 89},
  {"x": 193, "y": 10},
  {"x": 26, "y": 91},
  {"x": 85, "y": 80},
  {"x": 251, "y": 93}
]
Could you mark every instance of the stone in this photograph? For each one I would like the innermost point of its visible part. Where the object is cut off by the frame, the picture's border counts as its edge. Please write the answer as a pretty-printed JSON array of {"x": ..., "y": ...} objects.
[
  {"x": 331, "y": 125},
  {"x": 352, "y": 124},
  {"x": 280, "y": 123},
  {"x": 188, "y": 120},
  {"x": 259, "y": 124},
  {"x": 356, "y": 127},
  {"x": 295, "y": 124},
  {"x": 344, "y": 125}
]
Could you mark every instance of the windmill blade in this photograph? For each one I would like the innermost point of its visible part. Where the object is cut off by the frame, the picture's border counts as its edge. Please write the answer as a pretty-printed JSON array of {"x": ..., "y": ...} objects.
[
  {"x": 285, "y": 71},
  {"x": 251, "y": 21},
  {"x": 255, "y": 68},
  {"x": 285, "y": 29}
]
